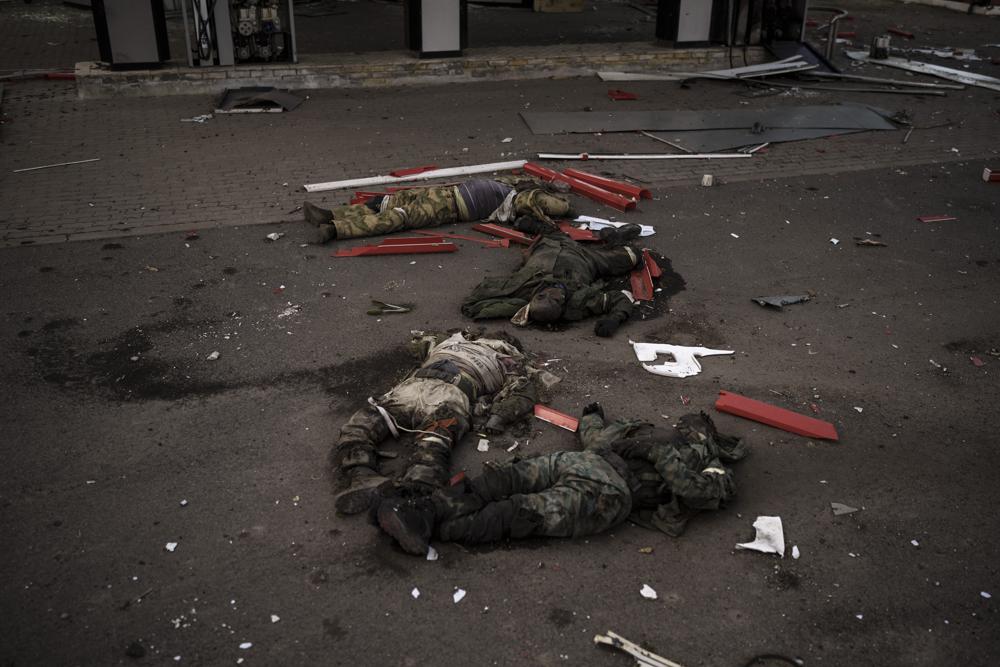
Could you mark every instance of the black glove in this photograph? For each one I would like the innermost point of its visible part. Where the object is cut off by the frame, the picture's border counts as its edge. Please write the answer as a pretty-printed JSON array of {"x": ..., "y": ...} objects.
[
  {"x": 593, "y": 408},
  {"x": 604, "y": 328}
]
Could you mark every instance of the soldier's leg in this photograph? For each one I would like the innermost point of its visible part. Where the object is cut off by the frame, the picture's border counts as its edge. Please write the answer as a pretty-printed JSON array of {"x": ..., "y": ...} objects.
[
  {"x": 595, "y": 433},
  {"x": 612, "y": 261},
  {"x": 499, "y": 481},
  {"x": 358, "y": 221},
  {"x": 426, "y": 207},
  {"x": 440, "y": 411},
  {"x": 354, "y": 460}
]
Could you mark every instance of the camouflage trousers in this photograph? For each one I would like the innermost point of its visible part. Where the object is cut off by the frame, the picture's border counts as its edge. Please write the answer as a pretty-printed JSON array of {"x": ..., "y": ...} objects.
[
  {"x": 438, "y": 410},
  {"x": 406, "y": 209},
  {"x": 566, "y": 494}
]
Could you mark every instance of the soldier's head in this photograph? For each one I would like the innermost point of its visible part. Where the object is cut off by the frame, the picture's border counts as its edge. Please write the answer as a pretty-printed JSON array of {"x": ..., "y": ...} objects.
[{"x": 547, "y": 305}]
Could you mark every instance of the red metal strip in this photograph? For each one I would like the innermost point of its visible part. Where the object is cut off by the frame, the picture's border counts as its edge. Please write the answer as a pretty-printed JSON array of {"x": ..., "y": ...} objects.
[
  {"x": 504, "y": 232},
  {"x": 774, "y": 416},
  {"x": 654, "y": 268},
  {"x": 412, "y": 240},
  {"x": 577, "y": 234},
  {"x": 990, "y": 175},
  {"x": 901, "y": 33},
  {"x": 936, "y": 218},
  {"x": 592, "y": 191},
  {"x": 560, "y": 419},
  {"x": 404, "y": 249},
  {"x": 621, "y": 188},
  {"x": 399, "y": 173},
  {"x": 489, "y": 243},
  {"x": 642, "y": 283},
  {"x": 621, "y": 95}
]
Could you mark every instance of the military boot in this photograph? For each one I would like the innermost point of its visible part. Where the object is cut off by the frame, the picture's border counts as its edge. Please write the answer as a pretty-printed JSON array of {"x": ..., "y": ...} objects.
[
  {"x": 361, "y": 491},
  {"x": 316, "y": 215},
  {"x": 620, "y": 235},
  {"x": 326, "y": 233},
  {"x": 409, "y": 522}
]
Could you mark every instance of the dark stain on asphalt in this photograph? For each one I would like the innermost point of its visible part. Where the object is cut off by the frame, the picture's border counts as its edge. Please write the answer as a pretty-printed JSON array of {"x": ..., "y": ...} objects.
[
  {"x": 128, "y": 367},
  {"x": 332, "y": 629},
  {"x": 229, "y": 270},
  {"x": 112, "y": 246},
  {"x": 971, "y": 345},
  {"x": 669, "y": 284},
  {"x": 46, "y": 269},
  {"x": 560, "y": 617}
]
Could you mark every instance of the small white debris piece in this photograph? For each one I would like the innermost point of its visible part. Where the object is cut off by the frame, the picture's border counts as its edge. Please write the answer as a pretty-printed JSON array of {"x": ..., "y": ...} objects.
[
  {"x": 415, "y": 593},
  {"x": 707, "y": 181},
  {"x": 859, "y": 409},
  {"x": 246, "y": 645},
  {"x": 177, "y": 658},
  {"x": 291, "y": 310},
  {"x": 685, "y": 359},
  {"x": 432, "y": 553},
  {"x": 170, "y": 546},
  {"x": 795, "y": 552},
  {"x": 506, "y": 140},
  {"x": 413, "y": 262},
  {"x": 985, "y": 595},
  {"x": 770, "y": 536},
  {"x": 840, "y": 508},
  {"x": 834, "y": 241},
  {"x": 134, "y": 358},
  {"x": 484, "y": 445},
  {"x": 458, "y": 595},
  {"x": 735, "y": 236},
  {"x": 859, "y": 616},
  {"x": 915, "y": 543},
  {"x": 275, "y": 618},
  {"x": 647, "y": 592},
  {"x": 274, "y": 236},
  {"x": 213, "y": 356},
  {"x": 184, "y": 503},
  {"x": 239, "y": 661},
  {"x": 513, "y": 447}
]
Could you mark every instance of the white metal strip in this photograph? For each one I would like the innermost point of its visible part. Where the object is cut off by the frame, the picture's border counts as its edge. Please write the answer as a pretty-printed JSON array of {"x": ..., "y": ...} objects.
[{"x": 422, "y": 176}]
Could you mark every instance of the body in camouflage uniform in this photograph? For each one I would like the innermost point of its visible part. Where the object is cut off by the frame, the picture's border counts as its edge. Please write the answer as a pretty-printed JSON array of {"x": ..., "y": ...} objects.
[
  {"x": 557, "y": 261},
  {"x": 435, "y": 403},
  {"x": 628, "y": 469},
  {"x": 416, "y": 208}
]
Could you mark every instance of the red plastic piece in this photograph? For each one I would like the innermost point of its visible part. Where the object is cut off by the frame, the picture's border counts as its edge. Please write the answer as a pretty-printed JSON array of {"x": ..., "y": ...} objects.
[
  {"x": 361, "y": 196},
  {"x": 936, "y": 218},
  {"x": 641, "y": 278},
  {"x": 458, "y": 478},
  {"x": 621, "y": 95},
  {"x": 846, "y": 35},
  {"x": 772, "y": 415},
  {"x": 560, "y": 419},
  {"x": 423, "y": 247},
  {"x": 621, "y": 188},
  {"x": 577, "y": 234},
  {"x": 60, "y": 76},
  {"x": 503, "y": 232},
  {"x": 901, "y": 33},
  {"x": 413, "y": 240},
  {"x": 991, "y": 175},
  {"x": 489, "y": 243},
  {"x": 592, "y": 191},
  {"x": 399, "y": 173}
]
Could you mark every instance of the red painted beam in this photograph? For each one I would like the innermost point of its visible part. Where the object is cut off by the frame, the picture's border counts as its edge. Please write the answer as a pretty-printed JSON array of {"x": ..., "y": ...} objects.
[
  {"x": 621, "y": 95},
  {"x": 654, "y": 268},
  {"x": 503, "y": 232},
  {"x": 626, "y": 189},
  {"x": 577, "y": 234},
  {"x": 560, "y": 419},
  {"x": 396, "y": 249},
  {"x": 772, "y": 415},
  {"x": 489, "y": 243},
  {"x": 901, "y": 33},
  {"x": 991, "y": 175},
  {"x": 580, "y": 187},
  {"x": 399, "y": 173}
]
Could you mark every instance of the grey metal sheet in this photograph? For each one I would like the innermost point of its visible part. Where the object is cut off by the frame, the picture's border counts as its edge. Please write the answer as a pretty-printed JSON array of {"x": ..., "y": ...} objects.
[
  {"x": 258, "y": 96},
  {"x": 714, "y": 141},
  {"x": 836, "y": 117}
]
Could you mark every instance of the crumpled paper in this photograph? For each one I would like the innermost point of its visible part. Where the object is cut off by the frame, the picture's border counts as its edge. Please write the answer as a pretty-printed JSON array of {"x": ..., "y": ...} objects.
[{"x": 770, "y": 536}]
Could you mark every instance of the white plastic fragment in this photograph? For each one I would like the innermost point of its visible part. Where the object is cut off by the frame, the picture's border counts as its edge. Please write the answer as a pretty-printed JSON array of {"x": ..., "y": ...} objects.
[
  {"x": 432, "y": 553},
  {"x": 795, "y": 552},
  {"x": 170, "y": 546},
  {"x": 770, "y": 536},
  {"x": 184, "y": 503},
  {"x": 647, "y": 592},
  {"x": 859, "y": 616},
  {"x": 458, "y": 595},
  {"x": 415, "y": 593},
  {"x": 213, "y": 356},
  {"x": 834, "y": 241},
  {"x": 985, "y": 595},
  {"x": 915, "y": 543},
  {"x": 860, "y": 410},
  {"x": 484, "y": 445},
  {"x": 595, "y": 224},
  {"x": 840, "y": 508},
  {"x": 274, "y": 236},
  {"x": 246, "y": 645},
  {"x": 707, "y": 181},
  {"x": 506, "y": 140},
  {"x": 513, "y": 447},
  {"x": 735, "y": 236},
  {"x": 275, "y": 618},
  {"x": 685, "y": 363}
]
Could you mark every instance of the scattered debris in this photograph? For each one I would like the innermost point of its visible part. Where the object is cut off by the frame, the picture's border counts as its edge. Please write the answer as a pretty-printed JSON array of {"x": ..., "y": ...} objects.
[
  {"x": 458, "y": 595},
  {"x": 775, "y": 416},
  {"x": 647, "y": 592},
  {"x": 834, "y": 241},
  {"x": 511, "y": 235},
  {"x": 560, "y": 419},
  {"x": 792, "y": 64},
  {"x": 779, "y": 302},
  {"x": 968, "y": 78},
  {"x": 936, "y": 218},
  {"x": 415, "y": 593},
  {"x": 383, "y": 308},
  {"x": 400, "y": 246},
  {"x": 795, "y": 552},
  {"x": 977, "y": 362},
  {"x": 275, "y": 618},
  {"x": 642, "y": 656},
  {"x": 432, "y": 553},
  {"x": 707, "y": 181},
  {"x": 292, "y": 309},
  {"x": 513, "y": 447},
  {"x": 198, "y": 119},
  {"x": 170, "y": 546},
  {"x": 640, "y": 156},
  {"x": 621, "y": 95},
  {"x": 246, "y": 645},
  {"x": 840, "y": 509},
  {"x": 597, "y": 224},
  {"x": 257, "y": 99},
  {"x": 506, "y": 140},
  {"x": 770, "y": 537},
  {"x": 484, "y": 445},
  {"x": 685, "y": 363},
  {"x": 646, "y": 550},
  {"x": 57, "y": 164},
  {"x": 991, "y": 175},
  {"x": 915, "y": 543},
  {"x": 274, "y": 236},
  {"x": 584, "y": 187},
  {"x": 489, "y": 243},
  {"x": 985, "y": 595},
  {"x": 869, "y": 242}
]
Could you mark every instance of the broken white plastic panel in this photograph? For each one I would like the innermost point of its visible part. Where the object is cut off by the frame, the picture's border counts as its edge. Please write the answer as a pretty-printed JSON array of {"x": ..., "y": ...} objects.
[
  {"x": 770, "y": 536},
  {"x": 595, "y": 224},
  {"x": 685, "y": 363},
  {"x": 422, "y": 176}
]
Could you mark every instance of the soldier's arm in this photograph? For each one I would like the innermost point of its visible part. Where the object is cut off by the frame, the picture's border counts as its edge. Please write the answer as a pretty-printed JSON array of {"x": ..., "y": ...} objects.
[
  {"x": 614, "y": 307},
  {"x": 514, "y": 402},
  {"x": 700, "y": 489}
]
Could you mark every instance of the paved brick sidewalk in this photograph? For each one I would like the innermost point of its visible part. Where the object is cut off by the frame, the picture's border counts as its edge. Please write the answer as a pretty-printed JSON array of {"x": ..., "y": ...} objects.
[{"x": 159, "y": 174}]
